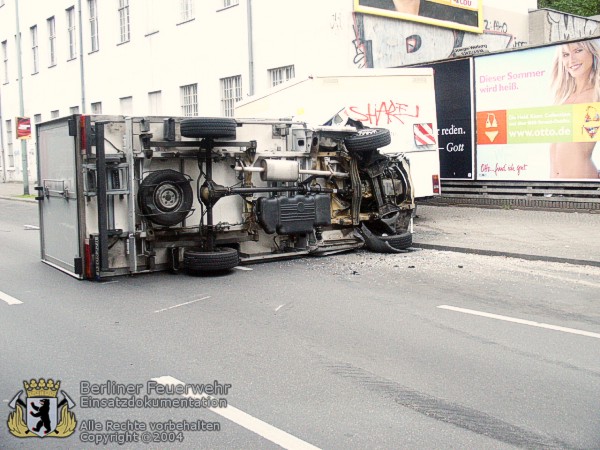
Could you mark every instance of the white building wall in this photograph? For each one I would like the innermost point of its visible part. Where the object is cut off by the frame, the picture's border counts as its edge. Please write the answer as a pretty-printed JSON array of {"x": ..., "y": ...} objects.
[{"x": 315, "y": 36}]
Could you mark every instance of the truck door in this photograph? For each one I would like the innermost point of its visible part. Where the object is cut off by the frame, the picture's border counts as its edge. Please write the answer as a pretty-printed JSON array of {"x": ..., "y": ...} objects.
[{"x": 58, "y": 195}]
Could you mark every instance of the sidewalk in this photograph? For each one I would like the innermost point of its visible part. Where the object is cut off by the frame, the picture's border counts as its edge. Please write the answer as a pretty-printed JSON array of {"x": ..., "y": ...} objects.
[
  {"x": 572, "y": 237},
  {"x": 14, "y": 191}
]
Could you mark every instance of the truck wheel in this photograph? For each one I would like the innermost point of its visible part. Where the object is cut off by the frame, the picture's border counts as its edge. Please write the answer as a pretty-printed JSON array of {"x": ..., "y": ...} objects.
[
  {"x": 209, "y": 127},
  {"x": 399, "y": 241},
  {"x": 383, "y": 243},
  {"x": 222, "y": 258},
  {"x": 166, "y": 197},
  {"x": 368, "y": 139}
]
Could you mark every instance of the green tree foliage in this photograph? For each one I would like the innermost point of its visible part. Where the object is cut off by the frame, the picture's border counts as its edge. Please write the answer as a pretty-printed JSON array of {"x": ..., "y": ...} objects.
[{"x": 583, "y": 8}]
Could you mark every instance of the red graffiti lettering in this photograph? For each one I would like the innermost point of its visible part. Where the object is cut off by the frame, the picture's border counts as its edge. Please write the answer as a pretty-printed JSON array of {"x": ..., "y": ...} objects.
[{"x": 384, "y": 113}]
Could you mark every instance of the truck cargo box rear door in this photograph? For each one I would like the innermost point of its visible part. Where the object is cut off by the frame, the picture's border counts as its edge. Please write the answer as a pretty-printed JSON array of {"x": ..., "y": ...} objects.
[{"x": 61, "y": 244}]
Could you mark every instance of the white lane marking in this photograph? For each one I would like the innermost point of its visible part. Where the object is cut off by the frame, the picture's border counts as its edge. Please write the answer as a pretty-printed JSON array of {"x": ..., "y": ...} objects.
[
  {"x": 181, "y": 304},
  {"x": 279, "y": 307},
  {"x": 249, "y": 422},
  {"x": 242, "y": 268},
  {"x": 31, "y": 227},
  {"x": 521, "y": 321},
  {"x": 9, "y": 299}
]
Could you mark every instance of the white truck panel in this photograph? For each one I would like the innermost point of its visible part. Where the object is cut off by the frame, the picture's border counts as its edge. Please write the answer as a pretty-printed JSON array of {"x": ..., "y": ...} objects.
[{"x": 401, "y": 100}]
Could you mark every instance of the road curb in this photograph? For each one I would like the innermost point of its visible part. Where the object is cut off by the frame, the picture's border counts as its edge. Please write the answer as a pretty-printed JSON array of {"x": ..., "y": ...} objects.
[
  {"x": 16, "y": 199},
  {"x": 578, "y": 262}
]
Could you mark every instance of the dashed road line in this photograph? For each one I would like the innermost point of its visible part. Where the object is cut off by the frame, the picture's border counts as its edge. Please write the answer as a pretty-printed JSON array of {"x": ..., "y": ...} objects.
[
  {"x": 249, "y": 422},
  {"x": 9, "y": 299},
  {"x": 182, "y": 304},
  {"x": 521, "y": 321}
]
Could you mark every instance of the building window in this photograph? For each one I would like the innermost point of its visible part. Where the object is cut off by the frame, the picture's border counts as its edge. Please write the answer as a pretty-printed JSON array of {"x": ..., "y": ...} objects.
[
  {"x": 71, "y": 32},
  {"x": 231, "y": 93},
  {"x": 9, "y": 144},
  {"x": 155, "y": 103},
  {"x": 54, "y": 114},
  {"x": 126, "y": 104},
  {"x": 74, "y": 110},
  {"x": 5, "y": 62},
  {"x": 37, "y": 118},
  {"x": 187, "y": 10},
  {"x": 189, "y": 100},
  {"x": 52, "y": 40},
  {"x": 228, "y": 3},
  {"x": 93, "y": 11},
  {"x": 281, "y": 74},
  {"x": 124, "y": 20},
  {"x": 97, "y": 108},
  {"x": 34, "y": 49}
]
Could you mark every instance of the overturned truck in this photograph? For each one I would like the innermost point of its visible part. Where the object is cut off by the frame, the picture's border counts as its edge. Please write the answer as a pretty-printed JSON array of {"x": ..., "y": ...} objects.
[{"x": 128, "y": 195}]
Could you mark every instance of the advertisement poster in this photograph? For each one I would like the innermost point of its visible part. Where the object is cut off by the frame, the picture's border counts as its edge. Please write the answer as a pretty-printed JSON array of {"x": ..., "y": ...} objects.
[
  {"x": 23, "y": 127},
  {"x": 464, "y": 15},
  {"x": 455, "y": 130},
  {"x": 538, "y": 113}
]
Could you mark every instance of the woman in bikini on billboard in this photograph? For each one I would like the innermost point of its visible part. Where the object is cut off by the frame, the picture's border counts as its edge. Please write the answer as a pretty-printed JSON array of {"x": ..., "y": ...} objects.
[{"x": 576, "y": 79}]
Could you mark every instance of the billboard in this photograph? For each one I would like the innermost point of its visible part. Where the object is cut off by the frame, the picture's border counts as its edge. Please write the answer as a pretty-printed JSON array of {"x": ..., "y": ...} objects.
[
  {"x": 538, "y": 113},
  {"x": 464, "y": 15},
  {"x": 455, "y": 119}
]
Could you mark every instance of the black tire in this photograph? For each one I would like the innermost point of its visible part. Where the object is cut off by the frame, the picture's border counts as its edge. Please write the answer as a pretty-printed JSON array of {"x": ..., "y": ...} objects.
[
  {"x": 381, "y": 243},
  {"x": 399, "y": 241},
  {"x": 165, "y": 197},
  {"x": 368, "y": 139},
  {"x": 209, "y": 127},
  {"x": 221, "y": 259}
]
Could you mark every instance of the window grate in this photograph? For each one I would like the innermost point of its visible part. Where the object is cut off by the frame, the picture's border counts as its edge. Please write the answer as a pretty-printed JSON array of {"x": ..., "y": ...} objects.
[
  {"x": 5, "y": 62},
  {"x": 124, "y": 20},
  {"x": 71, "y": 32},
  {"x": 187, "y": 10},
  {"x": 34, "y": 49},
  {"x": 189, "y": 100},
  {"x": 52, "y": 40},
  {"x": 93, "y": 12},
  {"x": 231, "y": 93},
  {"x": 9, "y": 144},
  {"x": 281, "y": 75}
]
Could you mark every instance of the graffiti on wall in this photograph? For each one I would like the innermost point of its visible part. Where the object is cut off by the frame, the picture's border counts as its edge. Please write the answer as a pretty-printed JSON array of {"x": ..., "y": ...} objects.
[
  {"x": 360, "y": 45},
  {"x": 381, "y": 42},
  {"x": 383, "y": 113},
  {"x": 564, "y": 27}
]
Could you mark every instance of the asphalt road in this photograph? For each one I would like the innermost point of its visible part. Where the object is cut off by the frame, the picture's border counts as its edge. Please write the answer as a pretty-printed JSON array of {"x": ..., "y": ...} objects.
[{"x": 426, "y": 349}]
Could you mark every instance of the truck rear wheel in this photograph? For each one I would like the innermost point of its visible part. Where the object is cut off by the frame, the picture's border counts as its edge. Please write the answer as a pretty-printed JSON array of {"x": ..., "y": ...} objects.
[
  {"x": 209, "y": 127},
  {"x": 221, "y": 259},
  {"x": 165, "y": 197},
  {"x": 368, "y": 139}
]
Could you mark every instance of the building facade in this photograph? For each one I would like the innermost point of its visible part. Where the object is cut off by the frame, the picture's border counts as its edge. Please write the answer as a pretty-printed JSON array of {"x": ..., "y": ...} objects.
[{"x": 199, "y": 57}]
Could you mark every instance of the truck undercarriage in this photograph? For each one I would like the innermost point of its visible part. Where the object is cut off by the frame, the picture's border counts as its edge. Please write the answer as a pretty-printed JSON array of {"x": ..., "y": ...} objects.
[{"x": 207, "y": 194}]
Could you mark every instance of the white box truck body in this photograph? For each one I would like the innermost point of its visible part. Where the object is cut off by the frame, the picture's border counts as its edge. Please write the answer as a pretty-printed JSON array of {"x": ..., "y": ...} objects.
[
  {"x": 129, "y": 195},
  {"x": 401, "y": 100}
]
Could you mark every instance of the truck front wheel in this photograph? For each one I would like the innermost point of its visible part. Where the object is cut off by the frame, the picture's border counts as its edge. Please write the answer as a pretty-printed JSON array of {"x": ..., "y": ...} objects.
[{"x": 368, "y": 139}]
